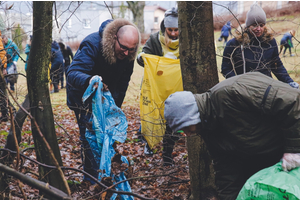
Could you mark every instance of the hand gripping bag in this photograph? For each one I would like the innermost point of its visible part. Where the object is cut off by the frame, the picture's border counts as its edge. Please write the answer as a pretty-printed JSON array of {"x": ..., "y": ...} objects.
[
  {"x": 162, "y": 77},
  {"x": 109, "y": 124},
  {"x": 272, "y": 184}
]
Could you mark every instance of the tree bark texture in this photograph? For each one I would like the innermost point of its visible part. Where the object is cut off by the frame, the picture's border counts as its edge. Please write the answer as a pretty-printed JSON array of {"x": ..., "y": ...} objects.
[
  {"x": 38, "y": 92},
  {"x": 137, "y": 9},
  {"x": 199, "y": 73}
]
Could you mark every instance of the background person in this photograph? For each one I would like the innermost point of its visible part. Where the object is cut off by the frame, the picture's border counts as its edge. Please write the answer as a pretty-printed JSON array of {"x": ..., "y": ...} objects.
[
  {"x": 57, "y": 62},
  {"x": 225, "y": 31},
  {"x": 27, "y": 50},
  {"x": 249, "y": 122},
  {"x": 286, "y": 42},
  {"x": 67, "y": 53},
  {"x": 260, "y": 50},
  {"x": 12, "y": 54},
  {"x": 164, "y": 43},
  {"x": 109, "y": 53}
]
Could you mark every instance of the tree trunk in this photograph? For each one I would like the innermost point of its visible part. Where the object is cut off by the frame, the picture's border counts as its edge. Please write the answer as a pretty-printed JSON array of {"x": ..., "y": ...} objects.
[
  {"x": 38, "y": 92},
  {"x": 137, "y": 9},
  {"x": 199, "y": 73}
]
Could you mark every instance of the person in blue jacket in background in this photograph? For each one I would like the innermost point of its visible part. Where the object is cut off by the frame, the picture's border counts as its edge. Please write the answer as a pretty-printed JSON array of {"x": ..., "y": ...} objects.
[
  {"x": 254, "y": 49},
  {"x": 12, "y": 54},
  {"x": 67, "y": 53},
  {"x": 225, "y": 31},
  {"x": 27, "y": 50},
  {"x": 57, "y": 62},
  {"x": 110, "y": 54},
  {"x": 286, "y": 42}
]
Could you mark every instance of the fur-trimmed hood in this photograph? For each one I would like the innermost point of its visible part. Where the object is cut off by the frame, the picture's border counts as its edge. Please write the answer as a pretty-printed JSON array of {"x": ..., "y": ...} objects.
[
  {"x": 108, "y": 40},
  {"x": 246, "y": 37}
]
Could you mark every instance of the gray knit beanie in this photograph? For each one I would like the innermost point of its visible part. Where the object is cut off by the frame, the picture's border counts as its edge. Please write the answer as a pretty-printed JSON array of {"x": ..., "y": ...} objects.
[
  {"x": 181, "y": 110},
  {"x": 255, "y": 15},
  {"x": 171, "y": 18}
]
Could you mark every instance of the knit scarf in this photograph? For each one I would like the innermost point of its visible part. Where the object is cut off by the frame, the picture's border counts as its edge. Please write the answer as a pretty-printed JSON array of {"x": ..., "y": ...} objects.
[{"x": 172, "y": 48}]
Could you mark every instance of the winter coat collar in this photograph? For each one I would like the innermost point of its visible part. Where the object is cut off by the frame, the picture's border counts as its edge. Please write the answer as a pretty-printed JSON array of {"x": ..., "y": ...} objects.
[
  {"x": 107, "y": 31},
  {"x": 247, "y": 38}
]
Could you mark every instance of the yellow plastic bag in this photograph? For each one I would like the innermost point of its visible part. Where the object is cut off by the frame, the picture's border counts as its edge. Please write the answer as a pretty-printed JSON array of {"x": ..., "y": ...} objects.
[{"x": 162, "y": 77}]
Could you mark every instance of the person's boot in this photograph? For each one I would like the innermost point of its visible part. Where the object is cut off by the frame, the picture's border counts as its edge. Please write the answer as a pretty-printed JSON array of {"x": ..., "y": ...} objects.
[{"x": 147, "y": 150}]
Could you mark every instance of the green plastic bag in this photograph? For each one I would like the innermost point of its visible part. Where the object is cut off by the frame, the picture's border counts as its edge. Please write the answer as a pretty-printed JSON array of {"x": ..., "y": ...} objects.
[{"x": 271, "y": 184}]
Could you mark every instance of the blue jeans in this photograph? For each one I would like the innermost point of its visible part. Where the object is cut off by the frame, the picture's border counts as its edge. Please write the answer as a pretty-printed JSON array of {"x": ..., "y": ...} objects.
[{"x": 88, "y": 160}]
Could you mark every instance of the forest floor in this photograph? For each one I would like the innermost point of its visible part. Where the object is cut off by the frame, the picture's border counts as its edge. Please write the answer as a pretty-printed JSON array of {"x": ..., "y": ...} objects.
[{"x": 155, "y": 180}]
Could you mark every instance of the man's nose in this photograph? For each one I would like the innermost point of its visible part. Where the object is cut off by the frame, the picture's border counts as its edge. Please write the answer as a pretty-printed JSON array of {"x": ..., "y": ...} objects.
[{"x": 126, "y": 52}]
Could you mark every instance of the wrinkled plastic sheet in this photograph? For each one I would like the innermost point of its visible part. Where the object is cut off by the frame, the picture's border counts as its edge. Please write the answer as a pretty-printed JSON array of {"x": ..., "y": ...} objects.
[
  {"x": 271, "y": 184},
  {"x": 109, "y": 124}
]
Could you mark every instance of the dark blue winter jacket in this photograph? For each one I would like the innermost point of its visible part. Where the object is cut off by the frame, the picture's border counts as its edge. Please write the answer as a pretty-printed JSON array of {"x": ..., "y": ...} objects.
[
  {"x": 287, "y": 39},
  {"x": 264, "y": 59},
  {"x": 226, "y": 29},
  {"x": 89, "y": 61},
  {"x": 57, "y": 59}
]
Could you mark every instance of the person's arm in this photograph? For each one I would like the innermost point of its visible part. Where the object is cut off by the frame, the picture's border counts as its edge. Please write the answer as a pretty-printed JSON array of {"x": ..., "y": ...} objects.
[
  {"x": 285, "y": 107},
  {"x": 152, "y": 46},
  {"x": 227, "y": 67},
  {"x": 277, "y": 67},
  {"x": 70, "y": 53},
  {"x": 80, "y": 71},
  {"x": 27, "y": 49}
]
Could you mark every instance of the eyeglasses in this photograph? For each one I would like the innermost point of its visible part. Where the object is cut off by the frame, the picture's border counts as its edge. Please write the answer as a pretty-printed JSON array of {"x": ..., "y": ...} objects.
[{"x": 124, "y": 48}]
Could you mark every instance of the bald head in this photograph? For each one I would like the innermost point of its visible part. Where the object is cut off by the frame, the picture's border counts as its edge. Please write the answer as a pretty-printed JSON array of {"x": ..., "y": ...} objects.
[
  {"x": 129, "y": 33},
  {"x": 127, "y": 42}
]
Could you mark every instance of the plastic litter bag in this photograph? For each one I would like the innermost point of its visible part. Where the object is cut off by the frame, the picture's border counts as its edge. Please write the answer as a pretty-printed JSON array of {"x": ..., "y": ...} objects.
[
  {"x": 271, "y": 184},
  {"x": 109, "y": 124},
  {"x": 162, "y": 77}
]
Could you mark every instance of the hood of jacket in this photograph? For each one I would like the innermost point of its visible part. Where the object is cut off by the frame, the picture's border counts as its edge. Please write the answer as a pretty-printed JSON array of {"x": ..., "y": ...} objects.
[
  {"x": 246, "y": 37},
  {"x": 54, "y": 46},
  {"x": 107, "y": 31}
]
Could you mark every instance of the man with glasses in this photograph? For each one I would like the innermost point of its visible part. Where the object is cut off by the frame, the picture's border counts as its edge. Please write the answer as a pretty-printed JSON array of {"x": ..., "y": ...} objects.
[
  {"x": 254, "y": 49},
  {"x": 110, "y": 54}
]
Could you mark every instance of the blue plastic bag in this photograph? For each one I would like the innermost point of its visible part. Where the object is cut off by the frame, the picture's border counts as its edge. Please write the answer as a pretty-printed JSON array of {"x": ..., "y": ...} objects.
[{"x": 109, "y": 124}]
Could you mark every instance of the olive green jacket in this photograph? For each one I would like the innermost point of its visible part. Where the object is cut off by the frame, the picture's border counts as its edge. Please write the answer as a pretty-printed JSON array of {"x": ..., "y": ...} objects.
[{"x": 251, "y": 114}]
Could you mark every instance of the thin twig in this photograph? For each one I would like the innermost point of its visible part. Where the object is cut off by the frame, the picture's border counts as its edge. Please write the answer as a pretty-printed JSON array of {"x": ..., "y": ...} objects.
[
  {"x": 83, "y": 172},
  {"x": 79, "y": 3},
  {"x": 109, "y": 10},
  {"x": 55, "y": 10},
  {"x": 14, "y": 132}
]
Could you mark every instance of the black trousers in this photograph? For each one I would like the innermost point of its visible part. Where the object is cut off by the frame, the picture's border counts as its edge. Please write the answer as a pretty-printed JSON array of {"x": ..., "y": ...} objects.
[{"x": 232, "y": 171}]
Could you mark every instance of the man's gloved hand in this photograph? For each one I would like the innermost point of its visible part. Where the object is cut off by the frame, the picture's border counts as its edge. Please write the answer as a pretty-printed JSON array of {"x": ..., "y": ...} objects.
[
  {"x": 294, "y": 85},
  {"x": 290, "y": 161},
  {"x": 15, "y": 63}
]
